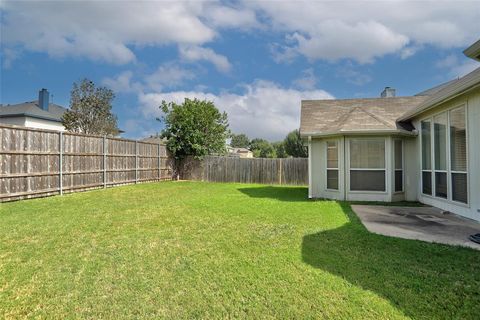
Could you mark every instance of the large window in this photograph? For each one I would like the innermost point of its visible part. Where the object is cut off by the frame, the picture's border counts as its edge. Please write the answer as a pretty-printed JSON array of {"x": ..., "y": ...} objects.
[
  {"x": 332, "y": 165},
  {"x": 426, "y": 157},
  {"x": 440, "y": 154},
  {"x": 448, "y": 162},
  {"x": 398, "y": 148},
  {"x": 458, "y": 155},
  {"x": 367, "y": 164}
]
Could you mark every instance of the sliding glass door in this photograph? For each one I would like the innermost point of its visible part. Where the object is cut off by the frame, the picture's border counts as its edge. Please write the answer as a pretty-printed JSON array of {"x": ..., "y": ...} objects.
[
  {"x": 444, "y": 155},
  {"x": 458, "y": 155}
]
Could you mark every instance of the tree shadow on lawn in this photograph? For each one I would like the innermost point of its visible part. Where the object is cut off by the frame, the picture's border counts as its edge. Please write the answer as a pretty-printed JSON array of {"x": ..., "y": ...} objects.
[
  {"x": 423, "y": 280},
  {"x": 290, "y": 194}
]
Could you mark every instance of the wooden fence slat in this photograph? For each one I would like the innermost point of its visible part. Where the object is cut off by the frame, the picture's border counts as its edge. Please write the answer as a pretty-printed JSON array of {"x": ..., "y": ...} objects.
[
  {"x": 36, "y": 162},
  {"x": 288, "y": 171}
]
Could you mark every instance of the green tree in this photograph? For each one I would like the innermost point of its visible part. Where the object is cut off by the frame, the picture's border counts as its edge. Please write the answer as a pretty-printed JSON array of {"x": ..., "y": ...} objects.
[
  {"x": 261, "y": 148},
  {"x": 280, "y": 149},
  {"x": 240, "y": 141},
  {"x": 194, "y": 128},
  {"x": 90, "y": 110},
  {"x": 294, "y": 145}
]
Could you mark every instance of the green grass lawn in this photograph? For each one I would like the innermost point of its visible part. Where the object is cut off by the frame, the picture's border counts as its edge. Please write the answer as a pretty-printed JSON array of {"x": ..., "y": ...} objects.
[{"x": 205, "y": 250}]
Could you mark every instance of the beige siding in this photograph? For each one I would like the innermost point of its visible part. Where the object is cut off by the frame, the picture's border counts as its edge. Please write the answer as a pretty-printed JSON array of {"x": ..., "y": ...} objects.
[
  {"x": 17, "y": 121},
  {"x": 411, "y": 168},
  {"x": 43, "y": 124}
]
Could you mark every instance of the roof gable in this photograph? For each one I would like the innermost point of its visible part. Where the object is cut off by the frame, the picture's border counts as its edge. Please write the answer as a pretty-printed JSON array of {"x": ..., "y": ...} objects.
[{"x": 352, "y": 115}]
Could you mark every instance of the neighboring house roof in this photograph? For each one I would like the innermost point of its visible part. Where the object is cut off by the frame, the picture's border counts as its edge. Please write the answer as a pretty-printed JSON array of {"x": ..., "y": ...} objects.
[
  {"x": 241, "y": 150},
  {"x": 327, "y": 117},
  {"x": 154, "y": 140},
  {"x": 468, "y": 82},
  {"x": 31, "y": 109}
]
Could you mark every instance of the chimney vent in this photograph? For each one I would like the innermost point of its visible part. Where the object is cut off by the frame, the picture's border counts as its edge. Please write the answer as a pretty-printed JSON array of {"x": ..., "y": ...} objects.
[
  {"x": 43, "y": 97},
  {"x": 388, "y": 92}
]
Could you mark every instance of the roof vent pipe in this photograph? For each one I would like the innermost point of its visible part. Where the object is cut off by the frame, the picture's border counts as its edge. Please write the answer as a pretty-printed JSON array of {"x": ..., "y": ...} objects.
[
  {"x": 388, "y": 92},
  {"x": 43, "y": 99}
]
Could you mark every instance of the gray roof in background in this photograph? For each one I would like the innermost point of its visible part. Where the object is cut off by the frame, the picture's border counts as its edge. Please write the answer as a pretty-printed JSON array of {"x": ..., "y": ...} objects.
[
  {"x": 356, "y": 115},
  {"x": 154, "y": 140},
  {"x": 31, "y": 109}
]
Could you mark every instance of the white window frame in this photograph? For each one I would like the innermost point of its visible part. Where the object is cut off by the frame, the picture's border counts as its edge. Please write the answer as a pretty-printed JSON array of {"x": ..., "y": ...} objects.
[
  {"x": 327, "y": 168},
  {"x": 403, "y": 166},
  {"x": 449, "y": 171},
  {"x": 350, "y": 169},
  {"x": 430, "y": 120},
  {"x": 447, "y": 155}
]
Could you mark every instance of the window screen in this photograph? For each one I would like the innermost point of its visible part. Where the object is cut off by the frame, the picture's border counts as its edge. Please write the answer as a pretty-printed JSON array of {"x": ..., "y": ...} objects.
[
  {"x": 458, "y": 155},
  {"x": 426, "y": 157},
  {"x": 332, "y": 165},
  {"x": 367, "y": 180},
  {"x": 398, "y": 153},
  {"x": 365, "y": 155}
]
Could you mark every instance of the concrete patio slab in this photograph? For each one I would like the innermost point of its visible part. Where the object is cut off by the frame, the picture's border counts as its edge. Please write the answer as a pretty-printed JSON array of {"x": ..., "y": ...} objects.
[{"x": 419, "y": 223}]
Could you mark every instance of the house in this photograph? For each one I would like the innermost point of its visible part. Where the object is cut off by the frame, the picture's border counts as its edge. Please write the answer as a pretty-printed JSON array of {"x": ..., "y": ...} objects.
[
  {"x": 421, "y": 148},
  {"x": 35, "y": 114},
  {"x": 239, "y": 152}
]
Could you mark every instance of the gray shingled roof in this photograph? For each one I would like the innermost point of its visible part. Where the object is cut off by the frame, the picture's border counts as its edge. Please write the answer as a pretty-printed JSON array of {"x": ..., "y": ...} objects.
[
  {"x": 323, "y": 117},
  {"x": 31, "y": 109},
  {"x": 435, "y": 89},
  {"x": 466, "y": 83}
]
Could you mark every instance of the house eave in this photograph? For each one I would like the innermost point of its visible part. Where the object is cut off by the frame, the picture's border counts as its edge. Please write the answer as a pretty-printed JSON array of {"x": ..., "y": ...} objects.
[
  {"x": 434, "y": 104},
  {"x": 28, "y": 115},
  {"x": 473, "y": 51},
  {"x": 326, "y": 134}
]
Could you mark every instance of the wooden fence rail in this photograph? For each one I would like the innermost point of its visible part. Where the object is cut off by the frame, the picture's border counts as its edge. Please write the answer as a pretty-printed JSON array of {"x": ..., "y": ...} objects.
[
  {"x": 35, "y": 162},
  {"x": 289, "y": 171}
]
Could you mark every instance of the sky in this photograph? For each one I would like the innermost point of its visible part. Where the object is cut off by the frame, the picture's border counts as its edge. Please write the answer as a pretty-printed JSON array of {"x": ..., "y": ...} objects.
[{"x": 256, "y": 60}]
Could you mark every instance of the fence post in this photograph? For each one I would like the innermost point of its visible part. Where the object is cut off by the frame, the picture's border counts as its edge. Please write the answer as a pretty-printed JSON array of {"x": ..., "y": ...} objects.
[
  {"x": 159, "y": 164},
  {"x": 60, "y": 162},
  {"x": 136, "y": 161},
  {"x": 226, "y": 174},
  {"x": 104, "y": 162},
  {"x": 280, "y": 171}
]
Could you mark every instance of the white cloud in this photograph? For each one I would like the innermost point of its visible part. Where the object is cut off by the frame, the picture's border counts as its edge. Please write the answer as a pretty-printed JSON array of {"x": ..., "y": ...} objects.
[
  {"x": 330, "y": 41},
  {"x": 102, "y": 30},
  {"x": 364, "y": 30},
  {"x": 123, "y": 83},
  {"x": 457, "y": 67},
  {"x": 167, "y": 75},
  {"x": 110, "y": 31},
  {"x": 264, "y": 109},
  {"x": 228, "y": 17},
  {"x": 196, "y": 53}
]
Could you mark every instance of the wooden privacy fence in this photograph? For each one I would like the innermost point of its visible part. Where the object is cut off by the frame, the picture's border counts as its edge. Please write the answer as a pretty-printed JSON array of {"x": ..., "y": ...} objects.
[
  {"x": 289, "y": 171},
  {"x": 35, "y": 162}
]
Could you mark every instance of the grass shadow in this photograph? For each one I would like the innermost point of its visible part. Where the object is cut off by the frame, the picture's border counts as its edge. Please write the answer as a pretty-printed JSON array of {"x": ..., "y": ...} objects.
[
  {"x": 423, "y": 280},
  {"x": 282, "y": 193}
]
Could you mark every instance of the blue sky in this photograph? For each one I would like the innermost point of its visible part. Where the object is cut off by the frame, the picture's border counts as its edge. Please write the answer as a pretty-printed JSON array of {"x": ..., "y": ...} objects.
[{"x": 256, "y": 60}]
